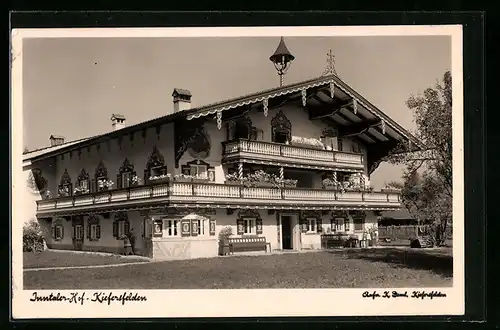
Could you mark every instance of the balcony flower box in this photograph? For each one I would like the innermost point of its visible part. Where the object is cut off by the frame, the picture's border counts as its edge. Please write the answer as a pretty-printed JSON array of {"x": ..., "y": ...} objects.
[
  {"x": 233, "y": 182},
  {"x": 159, "y": 180}
]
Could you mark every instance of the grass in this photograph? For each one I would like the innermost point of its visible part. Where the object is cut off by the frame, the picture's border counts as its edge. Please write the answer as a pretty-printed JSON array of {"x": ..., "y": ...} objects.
[
  {"x": 67, "y": 259},
  {"x": 322, "y": 269}
]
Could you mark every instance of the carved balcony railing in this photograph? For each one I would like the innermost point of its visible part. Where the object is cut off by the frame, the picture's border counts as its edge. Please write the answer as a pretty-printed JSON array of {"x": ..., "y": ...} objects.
[
  {"x": 221, "y": 195},
  {"x": 292, "y": 154}
]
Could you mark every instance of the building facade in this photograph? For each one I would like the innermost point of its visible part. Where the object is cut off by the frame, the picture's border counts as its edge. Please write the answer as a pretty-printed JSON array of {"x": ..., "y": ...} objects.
[{"x": 287, "y": 164}]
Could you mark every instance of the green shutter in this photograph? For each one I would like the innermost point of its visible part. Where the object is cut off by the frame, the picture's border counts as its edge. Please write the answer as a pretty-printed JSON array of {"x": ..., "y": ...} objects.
[
  {"x": 115, "y": 229},
  {"x": 212, "y": 227},
  {"x": 319, "y": 225},
  {"x": 240, "y": 225},
  {"x": 185, "y": 228},
  {"x": 194, "y": 227},
  {"x": 259, "y": 226}
]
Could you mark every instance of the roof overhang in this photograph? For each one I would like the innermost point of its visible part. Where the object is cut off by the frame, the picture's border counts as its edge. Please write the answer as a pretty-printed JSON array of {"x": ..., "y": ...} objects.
[{"x": 327, "y": 98}]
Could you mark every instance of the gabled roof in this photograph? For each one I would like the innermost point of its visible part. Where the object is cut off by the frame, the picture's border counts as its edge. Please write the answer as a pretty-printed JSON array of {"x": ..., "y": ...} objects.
[
  {"x": 180, "y": 91},
  {"x": 117, "y": 116},
  {"x": 366, "y": 110}
]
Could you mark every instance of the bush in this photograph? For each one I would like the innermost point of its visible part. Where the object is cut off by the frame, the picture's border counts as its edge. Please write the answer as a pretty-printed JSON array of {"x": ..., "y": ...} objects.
[{"x": 33, "y": 240}]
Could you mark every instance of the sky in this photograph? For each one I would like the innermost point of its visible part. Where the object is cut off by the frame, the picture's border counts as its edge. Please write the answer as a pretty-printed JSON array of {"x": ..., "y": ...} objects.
[{"x": 72, "y": 86}]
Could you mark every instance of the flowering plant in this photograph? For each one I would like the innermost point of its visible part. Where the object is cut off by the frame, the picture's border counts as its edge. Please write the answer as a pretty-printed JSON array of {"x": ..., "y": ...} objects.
[
  {"x": 158, "y": 177},
  {"x": 135, "y": 180},
  {"x": 105, "y": 183},
  {"x": 184, "y": 177},
  {"x": 63, "y": 192},
  {"x": 47, "y": 194},
  {"x": 80, "y": 190},
  {"x": 232, "y": 177}
]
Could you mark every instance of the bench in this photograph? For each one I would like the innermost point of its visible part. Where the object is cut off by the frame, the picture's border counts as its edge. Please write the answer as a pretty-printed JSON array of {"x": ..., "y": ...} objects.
[
  {"x": 329, "y": 241},
  {"x": 245, "y": 244}
]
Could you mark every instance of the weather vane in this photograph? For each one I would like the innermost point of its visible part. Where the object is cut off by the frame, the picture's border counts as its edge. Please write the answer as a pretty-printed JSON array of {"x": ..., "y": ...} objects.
[{"x": 330, "y": 67}]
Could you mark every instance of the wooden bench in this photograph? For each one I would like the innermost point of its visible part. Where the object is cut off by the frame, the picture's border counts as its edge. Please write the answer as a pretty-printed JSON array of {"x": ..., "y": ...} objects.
[
  {"x": 329, "y": 241},
  {"x": 245, "y": 244}
]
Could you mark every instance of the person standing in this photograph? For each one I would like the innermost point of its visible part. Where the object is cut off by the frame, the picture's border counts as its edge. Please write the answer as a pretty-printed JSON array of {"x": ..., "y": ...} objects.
[
  {"x": 127, "y": 246},
  {"x": 131, "y": 237}
]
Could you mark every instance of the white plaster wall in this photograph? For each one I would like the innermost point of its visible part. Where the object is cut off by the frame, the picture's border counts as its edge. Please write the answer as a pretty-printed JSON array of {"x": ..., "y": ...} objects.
[{"x": 269, "y": 228}]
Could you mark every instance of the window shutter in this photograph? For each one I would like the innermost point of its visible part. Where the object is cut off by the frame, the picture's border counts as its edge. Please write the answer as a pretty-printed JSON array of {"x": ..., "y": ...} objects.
[
  {"x": 53, "y": 232},
  {"x": 115, "y": 229},
  {"x": 93, "y": 186},
  {"x": 259, "y": 226},
  {"x": 119, "y": 183},
  {"x": 98, "y": 231},
  {"x": 346, "y": 224},
  {"x": 194, "y": 227},
  {"x": 62, "y": 232},
  {"x": 146, "y": 176},
  {"x": 126, "y": 227},
  {"x": 88, "y": 231},
  {"x": 185, "y": 228},
  {"x": 240, "y": 225},
  {"x": 74, "y": 232},
  {"x": 212, "y": 227},
  {"x": 333, "y": 224},
  {"x": 71, "y": 189},
  {"x": 319, "y": 225}
]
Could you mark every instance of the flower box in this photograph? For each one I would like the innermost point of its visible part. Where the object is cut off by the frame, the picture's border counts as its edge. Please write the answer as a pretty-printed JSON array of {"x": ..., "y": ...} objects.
[
  {"x": 233, "y": 183},
  {"x": 159, "y": 180}
]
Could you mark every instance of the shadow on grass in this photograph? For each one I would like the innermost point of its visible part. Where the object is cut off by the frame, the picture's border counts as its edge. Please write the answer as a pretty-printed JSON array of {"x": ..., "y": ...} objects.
[{"x": 438, "y": 261}]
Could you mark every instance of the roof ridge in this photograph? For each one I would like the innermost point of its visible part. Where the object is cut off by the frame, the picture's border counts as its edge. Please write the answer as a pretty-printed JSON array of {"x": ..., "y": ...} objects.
[{"x": 58, "y": 145}]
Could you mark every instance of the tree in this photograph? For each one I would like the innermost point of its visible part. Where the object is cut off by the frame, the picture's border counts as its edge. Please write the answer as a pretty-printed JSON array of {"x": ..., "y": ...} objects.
[{"x": 429, "y": 197}]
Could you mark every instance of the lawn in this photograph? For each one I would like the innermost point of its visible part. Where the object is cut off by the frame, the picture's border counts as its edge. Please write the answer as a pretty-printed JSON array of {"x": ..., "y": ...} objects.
[
  {"x": 323, "y": 269},
  {"x": 67, "y": 259}
]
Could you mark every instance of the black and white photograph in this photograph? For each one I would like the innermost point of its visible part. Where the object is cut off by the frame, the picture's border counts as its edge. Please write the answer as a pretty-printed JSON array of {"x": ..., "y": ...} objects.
[{"x": 200, "y": 168}]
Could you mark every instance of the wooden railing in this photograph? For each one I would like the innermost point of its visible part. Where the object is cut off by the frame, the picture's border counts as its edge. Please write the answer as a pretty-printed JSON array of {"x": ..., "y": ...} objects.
[
  {"x": 212, "y": 192},
  {"x": 290, "y": 151}
]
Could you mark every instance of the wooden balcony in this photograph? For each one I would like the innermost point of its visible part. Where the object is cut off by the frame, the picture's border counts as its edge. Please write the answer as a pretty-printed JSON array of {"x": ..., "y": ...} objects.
[
  {"x": 290, "y": 155},
  {"x": 217, "y": 196}
]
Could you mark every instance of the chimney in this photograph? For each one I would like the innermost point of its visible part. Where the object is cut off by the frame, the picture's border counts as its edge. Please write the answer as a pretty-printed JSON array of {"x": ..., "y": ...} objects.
[
  {"x": 118, "y": 121},
  {"x": 56, "y": 140},
  {"x": 182, "y": 99}
]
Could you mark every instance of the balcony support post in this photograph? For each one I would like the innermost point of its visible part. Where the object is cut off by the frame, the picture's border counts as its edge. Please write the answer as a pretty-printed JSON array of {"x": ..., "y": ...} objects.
[
  {"x": 282, "y": 173},
  {"x": 240, "y": 170}
]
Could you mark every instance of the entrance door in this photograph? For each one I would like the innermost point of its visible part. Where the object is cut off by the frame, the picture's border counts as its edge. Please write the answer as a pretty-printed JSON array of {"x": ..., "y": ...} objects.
[
  {"x": 287, "y": 233},
  {"x": 78, "y": 237}
]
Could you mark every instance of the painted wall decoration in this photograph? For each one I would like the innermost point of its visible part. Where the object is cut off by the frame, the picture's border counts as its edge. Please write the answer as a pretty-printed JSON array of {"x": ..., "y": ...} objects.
[{"x": 199, "y": 145}]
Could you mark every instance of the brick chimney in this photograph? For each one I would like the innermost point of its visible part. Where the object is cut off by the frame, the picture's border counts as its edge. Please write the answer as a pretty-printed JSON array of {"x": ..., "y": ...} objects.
[
  {"x": 182, "y": 99},
  {"x": 56, "y": 140},
  {"x": 118, "y": 121}
]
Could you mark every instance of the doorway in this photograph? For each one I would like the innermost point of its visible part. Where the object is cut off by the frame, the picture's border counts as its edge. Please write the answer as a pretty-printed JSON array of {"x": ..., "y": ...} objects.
[{"x": 287, "y": 232}]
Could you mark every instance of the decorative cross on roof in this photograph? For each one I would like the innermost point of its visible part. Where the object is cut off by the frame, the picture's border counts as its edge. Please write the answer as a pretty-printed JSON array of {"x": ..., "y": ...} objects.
[{"x": 330, "y": 67}]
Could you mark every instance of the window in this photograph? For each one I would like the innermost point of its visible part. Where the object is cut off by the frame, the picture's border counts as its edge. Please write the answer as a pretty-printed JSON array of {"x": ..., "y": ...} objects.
[
  {"x": 121, "y": 228},
  {"x": 79, "y": 232},
  {"x": 358, "y": 223},
  {"x": 84, "y": 184},
  {"x": 249, "y": 226},
  {"x": 172, "y": 227},
  {"x": 101, "y": 186},
  {"x": 311, "y": 225},
  {"x": 94, "y": 232},
  {"x": 126, "y": 179},
  {"x": 199, "y": 171},
  {"x": 280, "y": 137},
  {"x": 58, "y": 232},
  {"x": 340, "y": 225},
  {"x": 157, "y": 171}
]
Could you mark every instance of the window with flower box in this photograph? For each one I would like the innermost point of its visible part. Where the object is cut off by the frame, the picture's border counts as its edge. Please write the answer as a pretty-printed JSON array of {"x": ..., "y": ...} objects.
[
  {"x": 338, "y": 225},
  {"x": 83, "y": 186},
  {"x": 155, "y": 167},
  {"x": 65, "y": 186},
  {"x": 101, "y": 182},
  {"x": 125, "y": 174}
]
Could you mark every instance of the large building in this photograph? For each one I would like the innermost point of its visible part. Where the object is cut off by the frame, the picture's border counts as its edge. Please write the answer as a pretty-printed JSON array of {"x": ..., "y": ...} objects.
[{"x": 287, "y": 164}]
